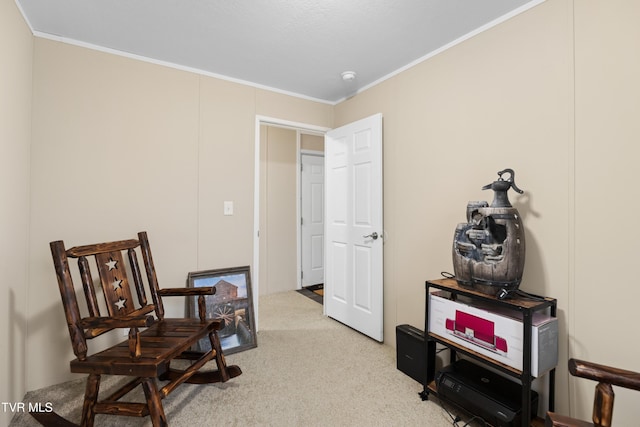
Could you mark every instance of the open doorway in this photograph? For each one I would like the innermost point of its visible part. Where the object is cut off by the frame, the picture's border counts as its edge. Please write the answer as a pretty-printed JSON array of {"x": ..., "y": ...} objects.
[
  {"x": 291, "y": 209},
  {"x": 278, "y": 258},
  {"x": 344, "y": 298}
]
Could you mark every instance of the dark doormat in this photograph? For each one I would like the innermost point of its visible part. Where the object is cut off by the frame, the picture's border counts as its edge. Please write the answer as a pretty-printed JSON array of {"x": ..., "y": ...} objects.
[{"x": 315, "y": 292}]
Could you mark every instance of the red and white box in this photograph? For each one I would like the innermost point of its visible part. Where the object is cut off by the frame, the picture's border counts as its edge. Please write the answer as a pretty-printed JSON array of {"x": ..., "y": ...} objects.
[{"x": 495, "y": 333}]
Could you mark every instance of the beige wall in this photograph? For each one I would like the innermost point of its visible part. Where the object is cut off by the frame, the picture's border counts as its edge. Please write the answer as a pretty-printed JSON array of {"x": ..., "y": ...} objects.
[
  {"x": 514, "y": 96},
  {"x": 311, "y": 142},
  {"x": 16, "y": 49},
  {"x": 604, "y": 293},
  {"x": 120, "y": 145},
  {"x": 497, "y": 100},
  {"x": 278, "y": 212}
]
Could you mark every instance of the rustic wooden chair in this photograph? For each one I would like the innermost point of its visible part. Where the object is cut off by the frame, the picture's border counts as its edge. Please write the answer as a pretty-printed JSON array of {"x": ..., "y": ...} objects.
[
  {"x": 153, "y": 341},
  {"x": 604, "y": 395}
]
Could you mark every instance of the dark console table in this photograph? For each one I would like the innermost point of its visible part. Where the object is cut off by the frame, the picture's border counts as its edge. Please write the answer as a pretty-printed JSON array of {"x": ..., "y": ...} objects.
[{"x": 527, "y": 306}]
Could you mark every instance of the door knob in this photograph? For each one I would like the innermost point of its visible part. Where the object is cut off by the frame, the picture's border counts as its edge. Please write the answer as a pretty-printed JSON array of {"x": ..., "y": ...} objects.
[{"x": 373, "y": 235}]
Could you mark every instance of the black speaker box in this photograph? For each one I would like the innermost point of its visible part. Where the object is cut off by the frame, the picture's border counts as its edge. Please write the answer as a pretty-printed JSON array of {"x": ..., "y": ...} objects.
[{"x": 411, "y": 353}]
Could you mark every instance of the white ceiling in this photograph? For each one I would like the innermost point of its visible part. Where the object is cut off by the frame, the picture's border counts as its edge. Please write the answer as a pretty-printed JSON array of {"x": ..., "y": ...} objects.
[{"x": 299, "y": 47}]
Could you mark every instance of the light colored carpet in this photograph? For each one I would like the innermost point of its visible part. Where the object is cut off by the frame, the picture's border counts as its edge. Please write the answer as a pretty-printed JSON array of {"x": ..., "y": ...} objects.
[{"x": 308, "y": 370}]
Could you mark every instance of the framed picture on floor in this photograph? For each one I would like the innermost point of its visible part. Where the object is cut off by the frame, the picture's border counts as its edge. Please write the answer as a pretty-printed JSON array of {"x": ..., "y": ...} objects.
[{"x": 232, "y": 303}]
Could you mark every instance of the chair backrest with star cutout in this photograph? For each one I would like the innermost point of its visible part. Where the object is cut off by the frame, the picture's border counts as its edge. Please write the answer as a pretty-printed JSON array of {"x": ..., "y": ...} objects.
[{"x": 112, "y": 279}]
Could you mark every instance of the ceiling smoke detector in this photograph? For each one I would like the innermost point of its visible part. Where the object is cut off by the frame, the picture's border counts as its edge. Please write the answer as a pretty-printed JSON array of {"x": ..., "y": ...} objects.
[{"x": 348, "y": 76}]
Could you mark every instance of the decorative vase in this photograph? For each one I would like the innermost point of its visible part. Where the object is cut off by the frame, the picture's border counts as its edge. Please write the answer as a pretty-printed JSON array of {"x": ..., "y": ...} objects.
[{"x": 489, "y": 249}]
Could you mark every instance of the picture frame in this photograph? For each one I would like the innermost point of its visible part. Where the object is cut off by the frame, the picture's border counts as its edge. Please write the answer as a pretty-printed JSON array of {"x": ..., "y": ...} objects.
[{"x": 232, "y": 302}]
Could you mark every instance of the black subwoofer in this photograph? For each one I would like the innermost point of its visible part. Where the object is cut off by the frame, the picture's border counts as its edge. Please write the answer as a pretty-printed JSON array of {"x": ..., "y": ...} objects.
[{"x": 411, "y": 353}]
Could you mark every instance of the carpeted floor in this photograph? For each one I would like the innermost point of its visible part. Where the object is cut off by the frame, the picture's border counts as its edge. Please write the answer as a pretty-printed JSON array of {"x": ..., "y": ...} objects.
[{"x": 308, "y": 370}]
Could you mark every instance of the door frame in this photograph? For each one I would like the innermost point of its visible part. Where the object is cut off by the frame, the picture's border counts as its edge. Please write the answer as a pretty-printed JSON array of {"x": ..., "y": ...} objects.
[{"x": 300, "y": 128}]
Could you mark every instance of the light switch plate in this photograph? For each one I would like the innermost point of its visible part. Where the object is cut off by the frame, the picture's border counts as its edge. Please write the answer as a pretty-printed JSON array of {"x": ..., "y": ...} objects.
[{"x": 228, "y": 208}]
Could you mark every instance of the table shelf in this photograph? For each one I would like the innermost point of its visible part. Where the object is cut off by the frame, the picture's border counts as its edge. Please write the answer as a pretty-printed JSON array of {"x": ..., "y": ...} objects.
[{"x": 526, "y": 306}]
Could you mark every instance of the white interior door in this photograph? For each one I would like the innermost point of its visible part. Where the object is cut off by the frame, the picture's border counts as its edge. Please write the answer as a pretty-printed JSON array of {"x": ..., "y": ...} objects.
[
  {"x": 353, "y": 289},
  {"x": 312, "y": 221}
]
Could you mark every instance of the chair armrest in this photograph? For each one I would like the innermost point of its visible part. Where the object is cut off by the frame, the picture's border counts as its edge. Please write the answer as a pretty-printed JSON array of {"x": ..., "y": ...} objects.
[
  {"x": 117, "y": 322},
  {"x": 173, "y": 292},
  {"x": 605, "y": 374}
]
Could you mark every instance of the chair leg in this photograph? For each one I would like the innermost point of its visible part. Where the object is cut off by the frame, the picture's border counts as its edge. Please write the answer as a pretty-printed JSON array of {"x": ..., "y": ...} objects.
[
  {"x": 154, "y": 402},
  {"x": 90, "y": 399},
  {"x": 222, "y": 364}
]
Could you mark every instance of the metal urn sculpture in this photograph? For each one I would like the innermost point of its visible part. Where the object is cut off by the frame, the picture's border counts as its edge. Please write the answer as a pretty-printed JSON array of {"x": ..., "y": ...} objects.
[{"x": 489, "y": 249}]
